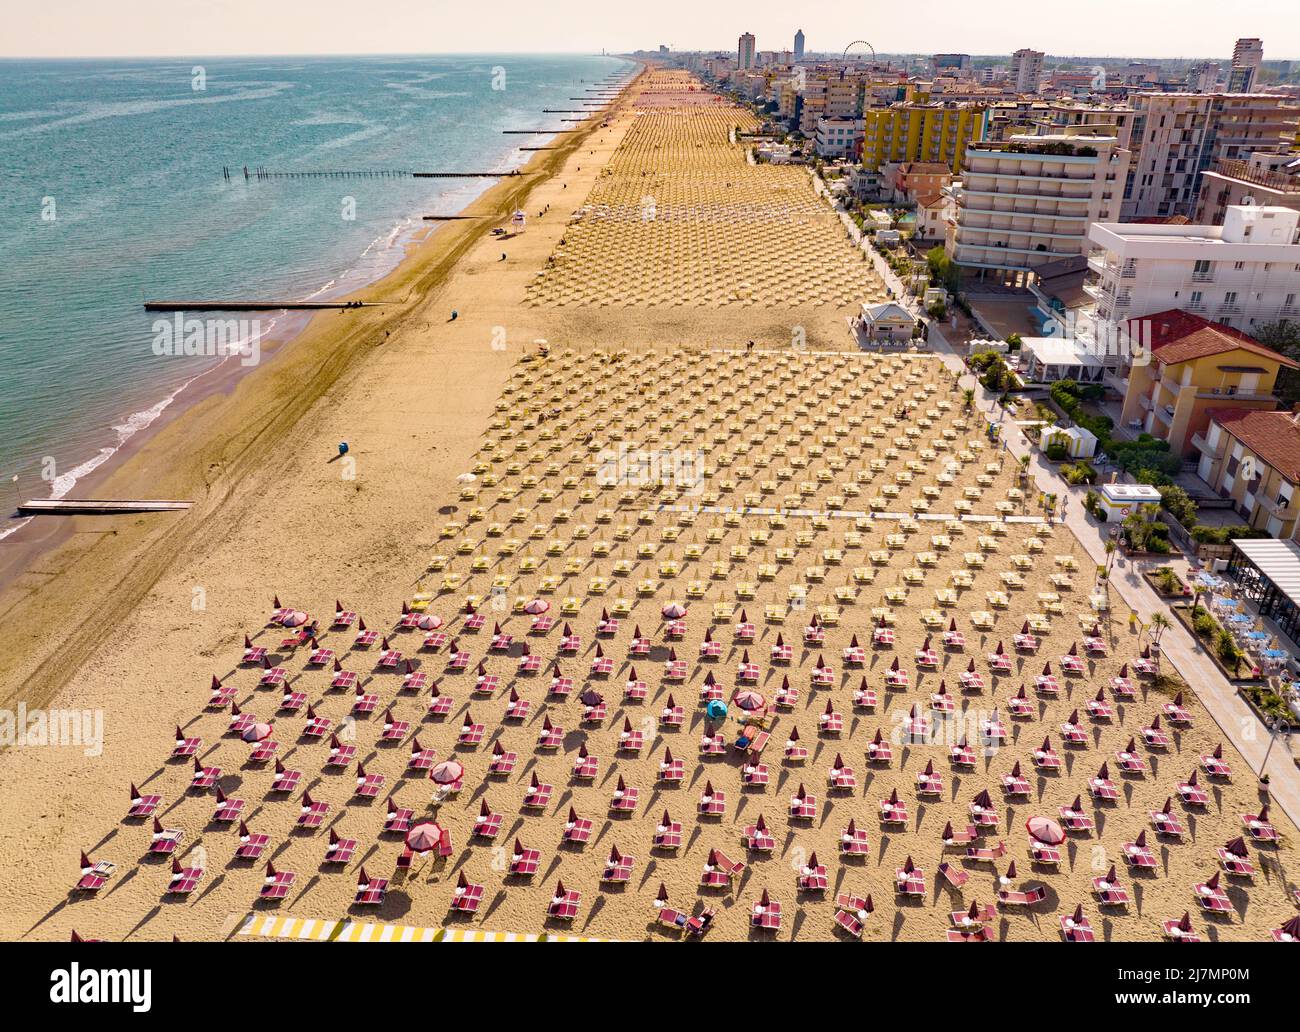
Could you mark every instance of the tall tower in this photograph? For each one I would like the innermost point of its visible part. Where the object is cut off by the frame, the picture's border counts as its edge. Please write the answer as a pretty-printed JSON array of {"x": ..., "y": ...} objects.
[
  {"x": 745, "y": 51},
  {"x": 798, "y": 45},
  {"x": 1026, "y": 69},
  {"x": 1247, "y": 57}
]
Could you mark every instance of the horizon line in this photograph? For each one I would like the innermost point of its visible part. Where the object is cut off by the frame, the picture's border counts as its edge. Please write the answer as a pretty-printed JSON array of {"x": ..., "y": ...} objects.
[{"x": 623, "y": 54}]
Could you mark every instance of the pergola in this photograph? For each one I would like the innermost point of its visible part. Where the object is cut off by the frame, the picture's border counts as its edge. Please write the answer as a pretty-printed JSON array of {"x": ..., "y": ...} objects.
[{"x": 1268, "y": 573}]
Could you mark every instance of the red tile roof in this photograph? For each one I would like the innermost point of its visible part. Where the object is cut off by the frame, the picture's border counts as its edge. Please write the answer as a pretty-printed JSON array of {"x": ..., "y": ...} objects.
[
  {"x": 1177, "y": 336},
  {"x": 1273, "y": 436}
]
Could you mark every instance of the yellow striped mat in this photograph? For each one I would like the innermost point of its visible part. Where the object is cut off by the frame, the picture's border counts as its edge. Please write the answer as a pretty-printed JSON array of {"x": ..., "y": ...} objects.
[{"x": 278, "y": 926}]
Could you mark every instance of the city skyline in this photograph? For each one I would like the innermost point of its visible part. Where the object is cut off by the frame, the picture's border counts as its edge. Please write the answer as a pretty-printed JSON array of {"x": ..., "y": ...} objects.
[{"x": 219, "y": 28}]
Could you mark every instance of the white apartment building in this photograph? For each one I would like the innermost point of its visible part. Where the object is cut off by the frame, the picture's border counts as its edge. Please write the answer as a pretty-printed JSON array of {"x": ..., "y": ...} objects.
[
  {"x": 1031, "y": 200},
  {"x": 1241, "y": 274},
  {"x": 839, "y": 137},
  {"x": 1026, "y": 70}
]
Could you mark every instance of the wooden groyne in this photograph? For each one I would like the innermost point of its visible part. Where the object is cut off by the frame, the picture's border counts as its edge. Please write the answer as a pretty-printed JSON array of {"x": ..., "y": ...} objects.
[
  {"x": 464, "y": 175},
  {"x": 95, "y": 507},
  {"x": 392, "y": 173},
  {"x": 253, "y": 306}
]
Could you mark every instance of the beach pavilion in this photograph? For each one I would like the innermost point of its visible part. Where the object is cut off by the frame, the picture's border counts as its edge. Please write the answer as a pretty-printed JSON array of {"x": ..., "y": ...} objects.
[
  {"x": 1267, "y": 572},
  {"x": 887, "y": 321},
  {"x": 1048, "y": 359}
]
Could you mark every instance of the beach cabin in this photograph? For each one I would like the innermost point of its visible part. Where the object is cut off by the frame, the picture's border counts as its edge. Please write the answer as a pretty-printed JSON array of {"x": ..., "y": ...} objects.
[
  {"x": 886, "y": 321},
  {"x": 1119, "y": 501},
  {"x": 1077, "y": 442}
]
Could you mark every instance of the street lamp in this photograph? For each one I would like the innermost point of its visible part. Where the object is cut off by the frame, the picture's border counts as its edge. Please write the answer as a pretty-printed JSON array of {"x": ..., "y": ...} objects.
[{"x": 1274, "y": 725}]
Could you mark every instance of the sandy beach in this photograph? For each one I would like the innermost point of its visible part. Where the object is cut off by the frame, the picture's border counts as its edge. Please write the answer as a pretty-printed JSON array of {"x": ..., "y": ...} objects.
[{"x": 627, "y": 451}]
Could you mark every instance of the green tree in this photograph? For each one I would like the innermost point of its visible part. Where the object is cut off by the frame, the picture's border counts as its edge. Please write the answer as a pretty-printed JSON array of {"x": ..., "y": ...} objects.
[{"x": 1284, "y": 337}]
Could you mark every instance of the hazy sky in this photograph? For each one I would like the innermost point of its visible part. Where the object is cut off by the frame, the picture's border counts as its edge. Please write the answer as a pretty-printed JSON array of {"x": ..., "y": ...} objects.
[{"x": 1147, "y": 28}]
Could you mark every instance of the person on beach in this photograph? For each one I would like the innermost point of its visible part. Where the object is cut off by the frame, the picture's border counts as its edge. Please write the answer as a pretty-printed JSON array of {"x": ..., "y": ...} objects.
[{"x": 454, "y": 315}]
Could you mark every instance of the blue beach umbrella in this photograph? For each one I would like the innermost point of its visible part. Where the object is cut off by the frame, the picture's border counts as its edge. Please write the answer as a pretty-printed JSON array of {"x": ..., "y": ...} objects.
[{"x": 716, "y": 709}]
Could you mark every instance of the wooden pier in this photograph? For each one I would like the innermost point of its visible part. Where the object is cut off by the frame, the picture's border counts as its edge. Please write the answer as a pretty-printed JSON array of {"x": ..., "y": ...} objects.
[
  {"x": 95, "y": 507},
  {"x": 253, "y": 306},
  {"x": 464, "y": 175},
  {"x": 267, "y": 174}
]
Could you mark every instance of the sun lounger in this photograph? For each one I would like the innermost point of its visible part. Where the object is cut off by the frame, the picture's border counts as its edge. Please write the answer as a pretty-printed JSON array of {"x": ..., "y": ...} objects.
[{"x": 1012, "y": 898}]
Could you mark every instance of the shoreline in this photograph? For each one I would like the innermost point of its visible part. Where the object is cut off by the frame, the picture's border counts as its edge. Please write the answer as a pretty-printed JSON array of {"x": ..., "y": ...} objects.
[
  {"x": 160, "y": 461},
  {"x": 410, "y": 237},
  {"x": 23, "y": 537}
]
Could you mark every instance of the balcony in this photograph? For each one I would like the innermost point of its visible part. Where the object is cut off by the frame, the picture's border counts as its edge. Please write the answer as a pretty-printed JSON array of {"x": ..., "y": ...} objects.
[
  {"x": 1203, "y": 446},
  {"x": 1203, "y": 277},
  {"x": 1279, "y": 509},
  {"x": 1230, "y": 309}
]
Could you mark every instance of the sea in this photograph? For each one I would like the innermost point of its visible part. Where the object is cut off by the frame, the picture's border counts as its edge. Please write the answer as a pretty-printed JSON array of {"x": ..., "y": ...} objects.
[{"x": 124, "y": 180}]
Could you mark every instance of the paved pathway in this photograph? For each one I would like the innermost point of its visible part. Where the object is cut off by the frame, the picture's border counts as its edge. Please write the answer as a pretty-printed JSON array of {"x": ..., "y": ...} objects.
[{"x": 1217, "y": 695}]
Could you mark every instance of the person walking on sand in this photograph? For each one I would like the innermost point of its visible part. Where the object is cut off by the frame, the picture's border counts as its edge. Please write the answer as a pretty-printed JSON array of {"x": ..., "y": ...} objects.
[{"x": 749, "y": 347}]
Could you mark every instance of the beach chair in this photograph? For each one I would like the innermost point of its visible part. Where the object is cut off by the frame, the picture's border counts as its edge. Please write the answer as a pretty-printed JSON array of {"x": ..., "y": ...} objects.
[
  {"x": 1211, "y": 898},
  {"x": 954, "y": 876},
  {"x": 758, "y": 838},
  {"x": 371, "y": 892},
  {"x": 712, "y": 803},
  {"x": 577, "y": 830},
  {"x": 312, "y": 813},
  {"x": 1180, "y": 930},
  {"x": 909, "y": 881},
  {"x": 227, "y": 810},
  {"x": 251, "y": 845},
  {"x": 203, "y": 777},
  {"x": 275, "y": 886},
  {"x": 142, "y": 806},
  {"x": 624, "y": 799},
  {"x": 1076, "y": 928},
  {"x": 1214, "y": 766},
  {"x": 523, "y": 862},
  {"x": 1014, "y": 898},
  {"x": 1166, "y": 822},
  {"x": 1109, "y": 891},
  {"x": 467, "y": 896},
  {"x": 1258, "y": 826},
  {"x": 766, "y": 914},
  {"x": 986, "y": 854},
  {"x": 668, "y": 834}
]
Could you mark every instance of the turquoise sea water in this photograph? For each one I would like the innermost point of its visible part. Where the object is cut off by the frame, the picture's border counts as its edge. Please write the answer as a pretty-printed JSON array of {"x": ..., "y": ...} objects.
[{"x": 111, "y": 192}]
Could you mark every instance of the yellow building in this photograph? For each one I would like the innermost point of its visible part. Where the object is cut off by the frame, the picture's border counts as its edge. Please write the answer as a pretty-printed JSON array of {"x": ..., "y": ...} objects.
[
  {"x": 1190, "y": 366},
  {"x": 922, "y": 132},
  {"x": 1253, "y": 458}
]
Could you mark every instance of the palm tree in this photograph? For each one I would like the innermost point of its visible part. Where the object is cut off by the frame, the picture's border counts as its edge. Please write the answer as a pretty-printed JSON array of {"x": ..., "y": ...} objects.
[
  {"x": 968, "y": 398},
  {"x": 1111, "y": 548},
  {"x": 1159, "y": 624}
]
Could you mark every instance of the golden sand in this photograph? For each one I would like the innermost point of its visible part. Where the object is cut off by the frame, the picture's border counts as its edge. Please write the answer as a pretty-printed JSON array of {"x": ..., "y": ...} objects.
[{"x": 857, "y": 452}]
